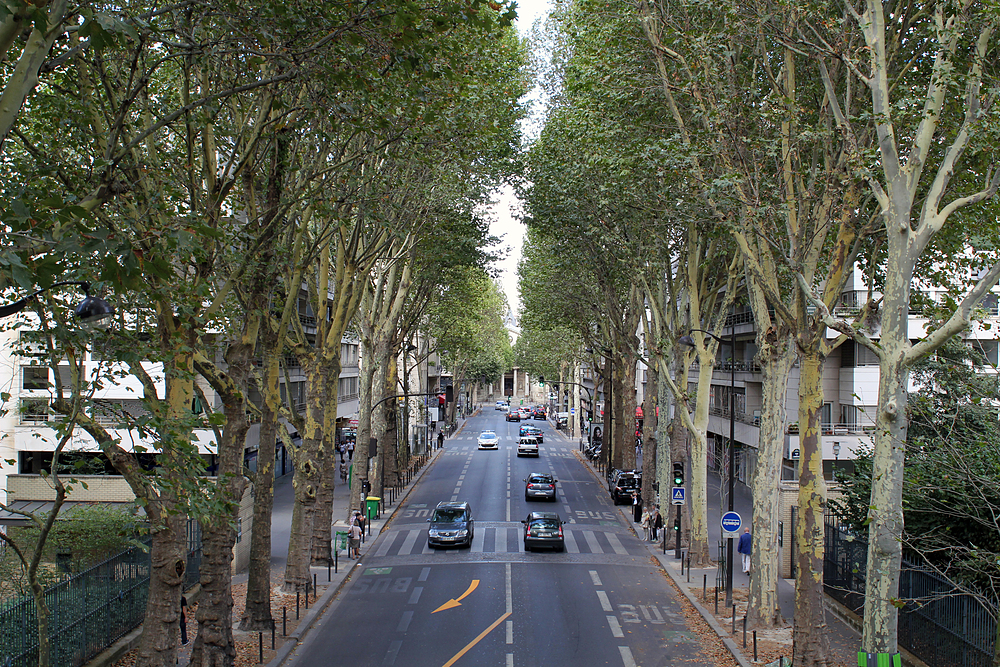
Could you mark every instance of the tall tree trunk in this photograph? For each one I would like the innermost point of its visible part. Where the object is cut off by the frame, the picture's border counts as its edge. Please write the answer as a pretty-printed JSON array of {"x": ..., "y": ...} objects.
[
  {"x": 810, "y": 644},
  {"x": 650, "y": 456},
  {"x": 323, "y": 526},
  {"x": 310, "y": 463},
  {"x": 776, "y": 355},
  {"x": 214, "y": 645},
  {"x": 168, "y": 560},
  {"x": 700, "y": 550},
  {"x": 257, "y": 612}
]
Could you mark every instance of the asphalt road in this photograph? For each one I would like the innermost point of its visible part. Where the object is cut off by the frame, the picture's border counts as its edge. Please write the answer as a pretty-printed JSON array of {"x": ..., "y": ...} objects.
[{"x": 603, "y": 601}]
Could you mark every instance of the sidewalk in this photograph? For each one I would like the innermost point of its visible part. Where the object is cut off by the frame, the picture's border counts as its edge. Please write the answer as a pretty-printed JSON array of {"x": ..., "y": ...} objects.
[{"x": 698, "y": 584}]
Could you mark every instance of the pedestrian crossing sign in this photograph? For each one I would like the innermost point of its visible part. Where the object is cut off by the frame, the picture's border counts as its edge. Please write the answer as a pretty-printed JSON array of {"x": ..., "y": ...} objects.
[{"x": 677, "y": 496}]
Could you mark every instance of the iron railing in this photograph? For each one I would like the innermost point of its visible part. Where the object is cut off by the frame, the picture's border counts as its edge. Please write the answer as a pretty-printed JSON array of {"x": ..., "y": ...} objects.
[
  {"x": 939, "y": 624},
  {"x": 89, "y": 611}
]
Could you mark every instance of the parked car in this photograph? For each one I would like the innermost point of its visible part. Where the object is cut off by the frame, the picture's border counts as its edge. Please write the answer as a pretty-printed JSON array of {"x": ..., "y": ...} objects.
[
  {"x": 540, "y": 485},
  {"x": 513, "y": 416},
  {"x": 451, "y": 525},
  {"x": 625, "y": 483},
  {"x": 489, "y": 440},
  {"x": 527, "y": 446},
  {"x": 543, "y": 529},
  {"x": 562, "y": 420}
]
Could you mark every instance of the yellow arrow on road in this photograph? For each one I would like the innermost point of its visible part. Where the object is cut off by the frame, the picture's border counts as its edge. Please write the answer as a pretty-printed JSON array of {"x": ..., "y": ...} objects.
[{"x": 455, "y": 602}]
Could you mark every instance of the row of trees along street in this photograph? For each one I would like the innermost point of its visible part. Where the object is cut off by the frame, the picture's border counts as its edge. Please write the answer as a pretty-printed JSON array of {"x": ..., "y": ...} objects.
[
  {"x": 700, "y": 155},
  {"x": 245, "y": 182}
]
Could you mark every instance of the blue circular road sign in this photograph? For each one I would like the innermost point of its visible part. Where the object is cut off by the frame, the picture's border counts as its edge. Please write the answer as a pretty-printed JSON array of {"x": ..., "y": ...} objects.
[{"x": 731, "y": 522}]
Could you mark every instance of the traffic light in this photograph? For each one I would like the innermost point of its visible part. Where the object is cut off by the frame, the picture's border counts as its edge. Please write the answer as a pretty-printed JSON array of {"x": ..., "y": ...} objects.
[
  {"x": 678, "y": 473},
  {"x": 449, "y": 394},
  {"x": 677, "y": 525},
  {"x": 541, "y": 380}
]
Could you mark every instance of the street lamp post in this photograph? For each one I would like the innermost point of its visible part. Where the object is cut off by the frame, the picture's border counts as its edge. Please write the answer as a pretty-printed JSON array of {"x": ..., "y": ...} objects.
[
  {"x": 92, "y": 311},
  {"x": 687, "y": 340}
]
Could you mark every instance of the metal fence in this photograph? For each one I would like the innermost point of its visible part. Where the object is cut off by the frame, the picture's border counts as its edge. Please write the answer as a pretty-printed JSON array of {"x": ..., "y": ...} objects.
[
  {"x": 938, "y": 624},
  {"x": 90, "y": 611}
]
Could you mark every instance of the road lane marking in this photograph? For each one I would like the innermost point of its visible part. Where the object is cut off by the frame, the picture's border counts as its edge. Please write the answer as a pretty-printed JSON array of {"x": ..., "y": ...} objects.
[
  {"x": 424, "y": 573},
  {"x": 456, "y": 602},
  {"x": 594, "y": 577},
  {"x": 478, "y": 540},
  {"x": 605, "y": 602},
  {"x": 501, "y": 540},
  {"x": 510, "y": 632},
  {"x": 415, "y": 596},
  {"x": 476, "y": 640},
  {"x": 627, "y": 659},
  {"x": 509, "y": 590},
  {"x": 383, "y": 548},
  {"x": 404, "y": 622},
  {"x": 616, "y": 628},
  {"x": 411, "y": 538},
  {"x": 390, "y": 655},
  {"x": 570, "y": 539}
]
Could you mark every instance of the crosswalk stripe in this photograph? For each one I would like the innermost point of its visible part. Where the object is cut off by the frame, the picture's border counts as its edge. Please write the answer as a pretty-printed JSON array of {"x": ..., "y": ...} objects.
[
  {"x": 595, "y": 548},
  {"x": 571, "y": 545},
  {"x": 616, "y": 544},
  {"x": 501, "y": 540}
]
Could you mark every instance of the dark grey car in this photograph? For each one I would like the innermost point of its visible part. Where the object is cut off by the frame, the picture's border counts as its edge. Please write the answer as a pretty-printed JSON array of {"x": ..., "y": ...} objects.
[
  {"x": 451, "y": 525},
  {"x": 540, "y": 485}
]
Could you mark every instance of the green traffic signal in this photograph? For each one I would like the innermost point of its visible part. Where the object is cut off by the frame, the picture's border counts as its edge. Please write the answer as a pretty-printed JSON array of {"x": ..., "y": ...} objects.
[{"x": 678, "y": 473}]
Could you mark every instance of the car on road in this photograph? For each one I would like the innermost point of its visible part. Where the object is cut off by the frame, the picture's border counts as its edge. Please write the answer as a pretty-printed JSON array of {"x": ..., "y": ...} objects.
[
  {"x": 540, "y": 485},
  {"x": 489, "y": 440},
  {"x": 451, "y": 525},
  {"x": 538, "y": 413},
  {"x": 513, "y": 416},
  {"x": 528, "y": 429},
  {"x": 501, "y": 405},
  {"x": 562, "y": 420},
  {"x": 623, "y": 486},
  {"x": 543, "y": 529},
  {"x": 527, "y": 446}
]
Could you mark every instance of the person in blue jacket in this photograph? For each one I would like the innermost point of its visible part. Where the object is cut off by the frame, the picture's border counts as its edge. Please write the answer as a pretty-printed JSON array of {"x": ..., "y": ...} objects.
[{"x": 744, "y": 549}]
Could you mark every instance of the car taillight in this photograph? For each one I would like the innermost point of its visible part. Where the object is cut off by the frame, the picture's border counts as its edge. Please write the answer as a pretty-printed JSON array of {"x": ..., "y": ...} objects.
[
  {"x": 550, "y": 486},
  {"x": 560, "y": 531}
]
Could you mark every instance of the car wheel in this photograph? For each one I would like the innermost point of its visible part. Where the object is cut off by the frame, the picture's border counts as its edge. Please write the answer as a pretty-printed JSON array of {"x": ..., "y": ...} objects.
[
  {"x": 561, "y": 548},
  {"x": 527, "y": 548}
]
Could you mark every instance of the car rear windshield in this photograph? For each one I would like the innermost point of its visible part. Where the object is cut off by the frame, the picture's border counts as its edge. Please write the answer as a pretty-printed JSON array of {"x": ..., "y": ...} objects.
[
  {"x": 627, "y": 482},
  {"x": 449, "y": 515},
  {"x": 539, "y": 479},
  {"x": 550, "y": 524}
]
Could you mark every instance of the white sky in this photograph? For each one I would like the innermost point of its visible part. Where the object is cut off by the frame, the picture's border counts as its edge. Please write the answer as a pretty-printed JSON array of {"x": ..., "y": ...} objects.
[{"x": 505, "y": 225}]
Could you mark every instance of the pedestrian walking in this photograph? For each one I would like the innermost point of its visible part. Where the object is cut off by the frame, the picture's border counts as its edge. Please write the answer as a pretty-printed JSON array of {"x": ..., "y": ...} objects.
[
  {"x": 350, "y": 450},
  {"x": 645, "y": 524},
  {"x": 340, "y": 450},
  {"x": 657, "y": 523},
  {"x": 354, "y": 541},
  {"x": 184, "y": 623},
  {"x": 744, "y": 549},
  {"x": 636, "y": 507},
  {"x": 440, "y": 439}
]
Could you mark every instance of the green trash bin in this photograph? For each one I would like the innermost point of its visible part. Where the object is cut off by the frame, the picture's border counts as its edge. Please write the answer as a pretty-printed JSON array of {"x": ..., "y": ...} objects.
[
  {"x": 371, "y": 507},
  {"x": 340, "y": 541}
]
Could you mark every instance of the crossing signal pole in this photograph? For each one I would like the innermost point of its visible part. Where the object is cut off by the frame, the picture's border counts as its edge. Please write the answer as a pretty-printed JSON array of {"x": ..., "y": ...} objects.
[{"x": 678, "y": 484}]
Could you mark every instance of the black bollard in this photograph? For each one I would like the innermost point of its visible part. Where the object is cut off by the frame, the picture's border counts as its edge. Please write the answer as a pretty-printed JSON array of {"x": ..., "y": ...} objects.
[
  {"x": 284, "y": 621},
  {"x": 744, "y": 631},
  {"x": 306, "y": 605},
  {"x": 260, "y": 648},
  {"x": 716, "y": 600},
  {"x": 314, "y": 587},
  {"x": 297, "y": 605},
  {"x": 734, "y": 619},
  {"x": 755, "y": 646},
  {"x": 704, "y": 588},
  {"x": 272, "y": 636},
  {"x": 328, "y": 565}
]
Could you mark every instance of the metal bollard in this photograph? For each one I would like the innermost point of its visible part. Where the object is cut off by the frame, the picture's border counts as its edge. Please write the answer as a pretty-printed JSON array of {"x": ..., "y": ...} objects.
[
  {"x": 307, "y": 595},
  {"x": 734, "y": 619},
  {"x": 284, "y": 621},
  {"x": 704, "y": 588},
  {"x": 755, "y": 646},
  {"x": 716, "y": 600},
  {"x": 260, "y": 648},
  {"x": 314, "y": 587},
  {"x": 272, "y": 636},
  {"x": 744, "y": 631},
  {"x": 297, "y": 605},
  {"x": 328, "y": 565}
]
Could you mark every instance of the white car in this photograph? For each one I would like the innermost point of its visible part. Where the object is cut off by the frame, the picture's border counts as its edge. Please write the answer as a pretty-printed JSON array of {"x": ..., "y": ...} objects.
[
  {"x": 489, "y": 440},
  {"x": 527, "y": 446},
  {"x": 502, "y": 406}
]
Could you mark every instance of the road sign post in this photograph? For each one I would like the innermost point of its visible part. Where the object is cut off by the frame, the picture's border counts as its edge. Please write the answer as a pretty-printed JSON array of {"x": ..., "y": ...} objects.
[{"x": 731, "y": 522}]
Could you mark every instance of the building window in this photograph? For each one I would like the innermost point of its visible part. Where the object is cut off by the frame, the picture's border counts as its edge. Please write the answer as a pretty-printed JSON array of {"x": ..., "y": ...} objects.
[
  {"x": 34, "y": 410},
  {"x": 34, "y": 378}
]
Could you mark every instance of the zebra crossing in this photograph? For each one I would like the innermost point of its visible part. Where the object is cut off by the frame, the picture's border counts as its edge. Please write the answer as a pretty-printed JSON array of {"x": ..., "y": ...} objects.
[{"x": 502, "y": 538}]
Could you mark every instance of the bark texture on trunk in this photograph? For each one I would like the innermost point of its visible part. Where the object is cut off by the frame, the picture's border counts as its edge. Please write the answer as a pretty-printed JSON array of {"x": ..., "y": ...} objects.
[
  {"x": 161, "y": 629},
  {"x": 810, "y": 644},
  {"x": 776, "y": 355}
]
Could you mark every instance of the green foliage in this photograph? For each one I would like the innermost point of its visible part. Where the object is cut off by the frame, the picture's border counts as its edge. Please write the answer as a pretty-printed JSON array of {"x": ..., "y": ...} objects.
[
  {"x": 951, "y": 494},
  {"x": 81, "y": 537}
]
